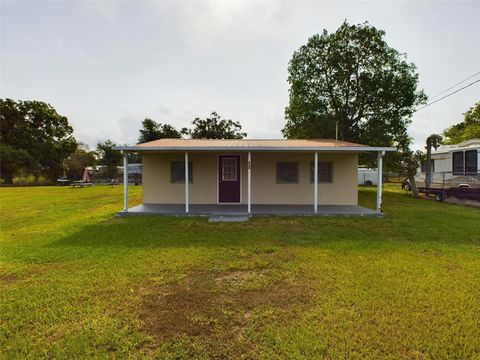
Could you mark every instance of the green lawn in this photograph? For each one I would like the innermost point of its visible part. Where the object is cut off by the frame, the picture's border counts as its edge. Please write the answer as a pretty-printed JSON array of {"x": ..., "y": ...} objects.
[{"x": 78, "y": 282}]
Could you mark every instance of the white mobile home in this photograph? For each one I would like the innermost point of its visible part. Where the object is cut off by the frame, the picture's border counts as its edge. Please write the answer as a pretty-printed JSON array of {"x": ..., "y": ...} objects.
[
  {"x": 454, "y": 165},
  {"x": 459, "y": 159}
]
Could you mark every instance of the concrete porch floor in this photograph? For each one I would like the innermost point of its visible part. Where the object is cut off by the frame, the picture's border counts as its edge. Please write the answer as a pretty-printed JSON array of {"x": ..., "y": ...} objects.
[{"x": 257, "y": 210}]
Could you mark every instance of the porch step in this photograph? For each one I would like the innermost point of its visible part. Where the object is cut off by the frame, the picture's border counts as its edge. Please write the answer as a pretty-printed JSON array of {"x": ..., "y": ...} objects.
[{"x": 228, "y": 218}]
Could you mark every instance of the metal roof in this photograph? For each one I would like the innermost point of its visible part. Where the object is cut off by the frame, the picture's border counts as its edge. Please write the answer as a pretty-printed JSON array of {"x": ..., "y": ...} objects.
[
  {"x": 472, "y": 144},
  {"x": 250, "y": 145}
]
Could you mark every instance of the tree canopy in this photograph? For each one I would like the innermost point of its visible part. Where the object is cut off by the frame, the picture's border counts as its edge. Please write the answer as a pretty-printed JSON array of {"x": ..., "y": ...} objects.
[
  {"x": 354, "y": 79},
  {"x": 109, "y": 157},
  {"x": 151, "y": 130},
  {"x": 214, "y": 127},
  {"x": 35, "y": 139},
  {"x": 468, "y": 129}
]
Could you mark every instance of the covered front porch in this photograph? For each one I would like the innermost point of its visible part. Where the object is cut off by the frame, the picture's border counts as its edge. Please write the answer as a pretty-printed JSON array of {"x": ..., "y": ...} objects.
[
  {"x": 248, "y": 207},
  {"x": 255, "y": 210},
  {"x": 251, "y": 178}
]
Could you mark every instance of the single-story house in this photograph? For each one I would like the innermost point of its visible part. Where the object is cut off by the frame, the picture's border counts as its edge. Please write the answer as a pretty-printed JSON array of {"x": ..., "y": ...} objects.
[{"x": 206, "y": 176}]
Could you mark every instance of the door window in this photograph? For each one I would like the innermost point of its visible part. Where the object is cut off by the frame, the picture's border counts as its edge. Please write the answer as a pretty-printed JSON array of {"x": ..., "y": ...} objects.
[{"x": 229, "y": 169}]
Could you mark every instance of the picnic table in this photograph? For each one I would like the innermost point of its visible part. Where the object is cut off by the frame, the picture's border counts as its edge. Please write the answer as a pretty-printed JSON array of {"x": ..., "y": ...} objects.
[
  {"x": 63, "y": 182},
  {"x": 81, "y": 184}
]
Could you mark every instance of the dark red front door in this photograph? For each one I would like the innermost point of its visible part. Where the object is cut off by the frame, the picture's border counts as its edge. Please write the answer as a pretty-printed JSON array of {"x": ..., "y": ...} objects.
[{"x": 229, "y": 178}]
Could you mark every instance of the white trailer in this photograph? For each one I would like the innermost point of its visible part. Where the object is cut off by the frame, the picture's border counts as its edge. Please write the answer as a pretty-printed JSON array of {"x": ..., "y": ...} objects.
[
  {"x": 367, "y": 176},
  {"x": 453, "y": 166}
]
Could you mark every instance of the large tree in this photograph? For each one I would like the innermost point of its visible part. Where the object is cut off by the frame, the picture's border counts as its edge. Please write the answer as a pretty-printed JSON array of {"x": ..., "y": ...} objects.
[
  {"x": 353, "y": 79},
  {"x": 35, "y": 139},
  {"x": 468, "y": 129},
  {"x": 214, "y": 127},
  {"x": 108, "y": 157},
  {"x": 151, "y": 130}
]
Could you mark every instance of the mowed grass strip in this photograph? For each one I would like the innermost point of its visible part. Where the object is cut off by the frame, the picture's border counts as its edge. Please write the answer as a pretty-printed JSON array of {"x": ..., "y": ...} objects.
[{"x": 78, "y": 282}]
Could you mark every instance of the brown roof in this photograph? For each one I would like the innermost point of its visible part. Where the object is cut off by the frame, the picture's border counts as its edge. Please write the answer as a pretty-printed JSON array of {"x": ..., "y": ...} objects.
[
  {"x": 250, "y": 144},
  {"x": 247, "y": 143}
]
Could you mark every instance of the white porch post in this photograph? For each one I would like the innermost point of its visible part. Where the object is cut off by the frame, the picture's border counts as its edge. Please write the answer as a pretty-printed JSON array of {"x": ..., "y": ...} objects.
[
  {"x": 379, "y": 180},
  {"x": 315, "y": 183},
  {"x": 249, "y": 197},
  {"x": 186, "y": 182},
  {"x": 125, "y": 181}
]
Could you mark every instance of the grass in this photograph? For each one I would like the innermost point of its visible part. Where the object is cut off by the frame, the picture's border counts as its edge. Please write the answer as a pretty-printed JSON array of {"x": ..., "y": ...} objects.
[{"x": 77, "y": 282}]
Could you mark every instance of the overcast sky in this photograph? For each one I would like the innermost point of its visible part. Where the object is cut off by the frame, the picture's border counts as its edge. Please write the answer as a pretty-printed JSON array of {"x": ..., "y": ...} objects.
[{"x": 108, "y": 65}]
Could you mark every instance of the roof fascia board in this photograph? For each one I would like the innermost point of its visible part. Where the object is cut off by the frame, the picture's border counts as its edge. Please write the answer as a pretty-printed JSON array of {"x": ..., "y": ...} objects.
[{"x": 246, "y": 149}]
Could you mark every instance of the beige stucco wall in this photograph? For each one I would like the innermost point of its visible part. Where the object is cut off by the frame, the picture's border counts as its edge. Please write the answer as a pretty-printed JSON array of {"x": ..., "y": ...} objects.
[{"x": 342, "y": 191}]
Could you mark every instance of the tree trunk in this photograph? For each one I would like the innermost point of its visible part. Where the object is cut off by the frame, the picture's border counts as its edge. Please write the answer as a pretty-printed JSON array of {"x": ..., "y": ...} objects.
[{"x": 413, "y": 185}]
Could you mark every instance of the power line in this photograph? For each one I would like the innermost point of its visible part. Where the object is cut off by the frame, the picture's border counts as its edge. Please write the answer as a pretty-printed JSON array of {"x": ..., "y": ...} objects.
[
  {"x": 452, "y": 93},
  {"x": 453, "y": 86}
]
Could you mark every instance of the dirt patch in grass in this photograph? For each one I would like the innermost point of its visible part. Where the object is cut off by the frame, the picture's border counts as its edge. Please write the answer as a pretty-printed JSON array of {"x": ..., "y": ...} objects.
[
  {"x": 28, "y": 272},
  {"x": 219, "y": 307},
  {"x": 8, "y": 278},
  {"x": 168, "y": 311},
  {"x": 454, "y": 268}
]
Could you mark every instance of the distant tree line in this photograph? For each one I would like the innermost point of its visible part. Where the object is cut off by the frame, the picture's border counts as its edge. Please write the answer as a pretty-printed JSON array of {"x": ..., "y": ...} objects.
[
  {"x": 212, "y": 127},
  {"x": 37, "y": 141}
]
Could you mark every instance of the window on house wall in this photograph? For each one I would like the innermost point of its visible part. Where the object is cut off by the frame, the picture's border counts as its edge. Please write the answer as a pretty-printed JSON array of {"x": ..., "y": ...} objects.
[
  {"x": 177, "y": 172},
  {"x": 325, "y": 172},
  {"x": 457, "y": 163},
  {"x": 471, "y": 161},
  {"x": 287, "y": 172}
]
